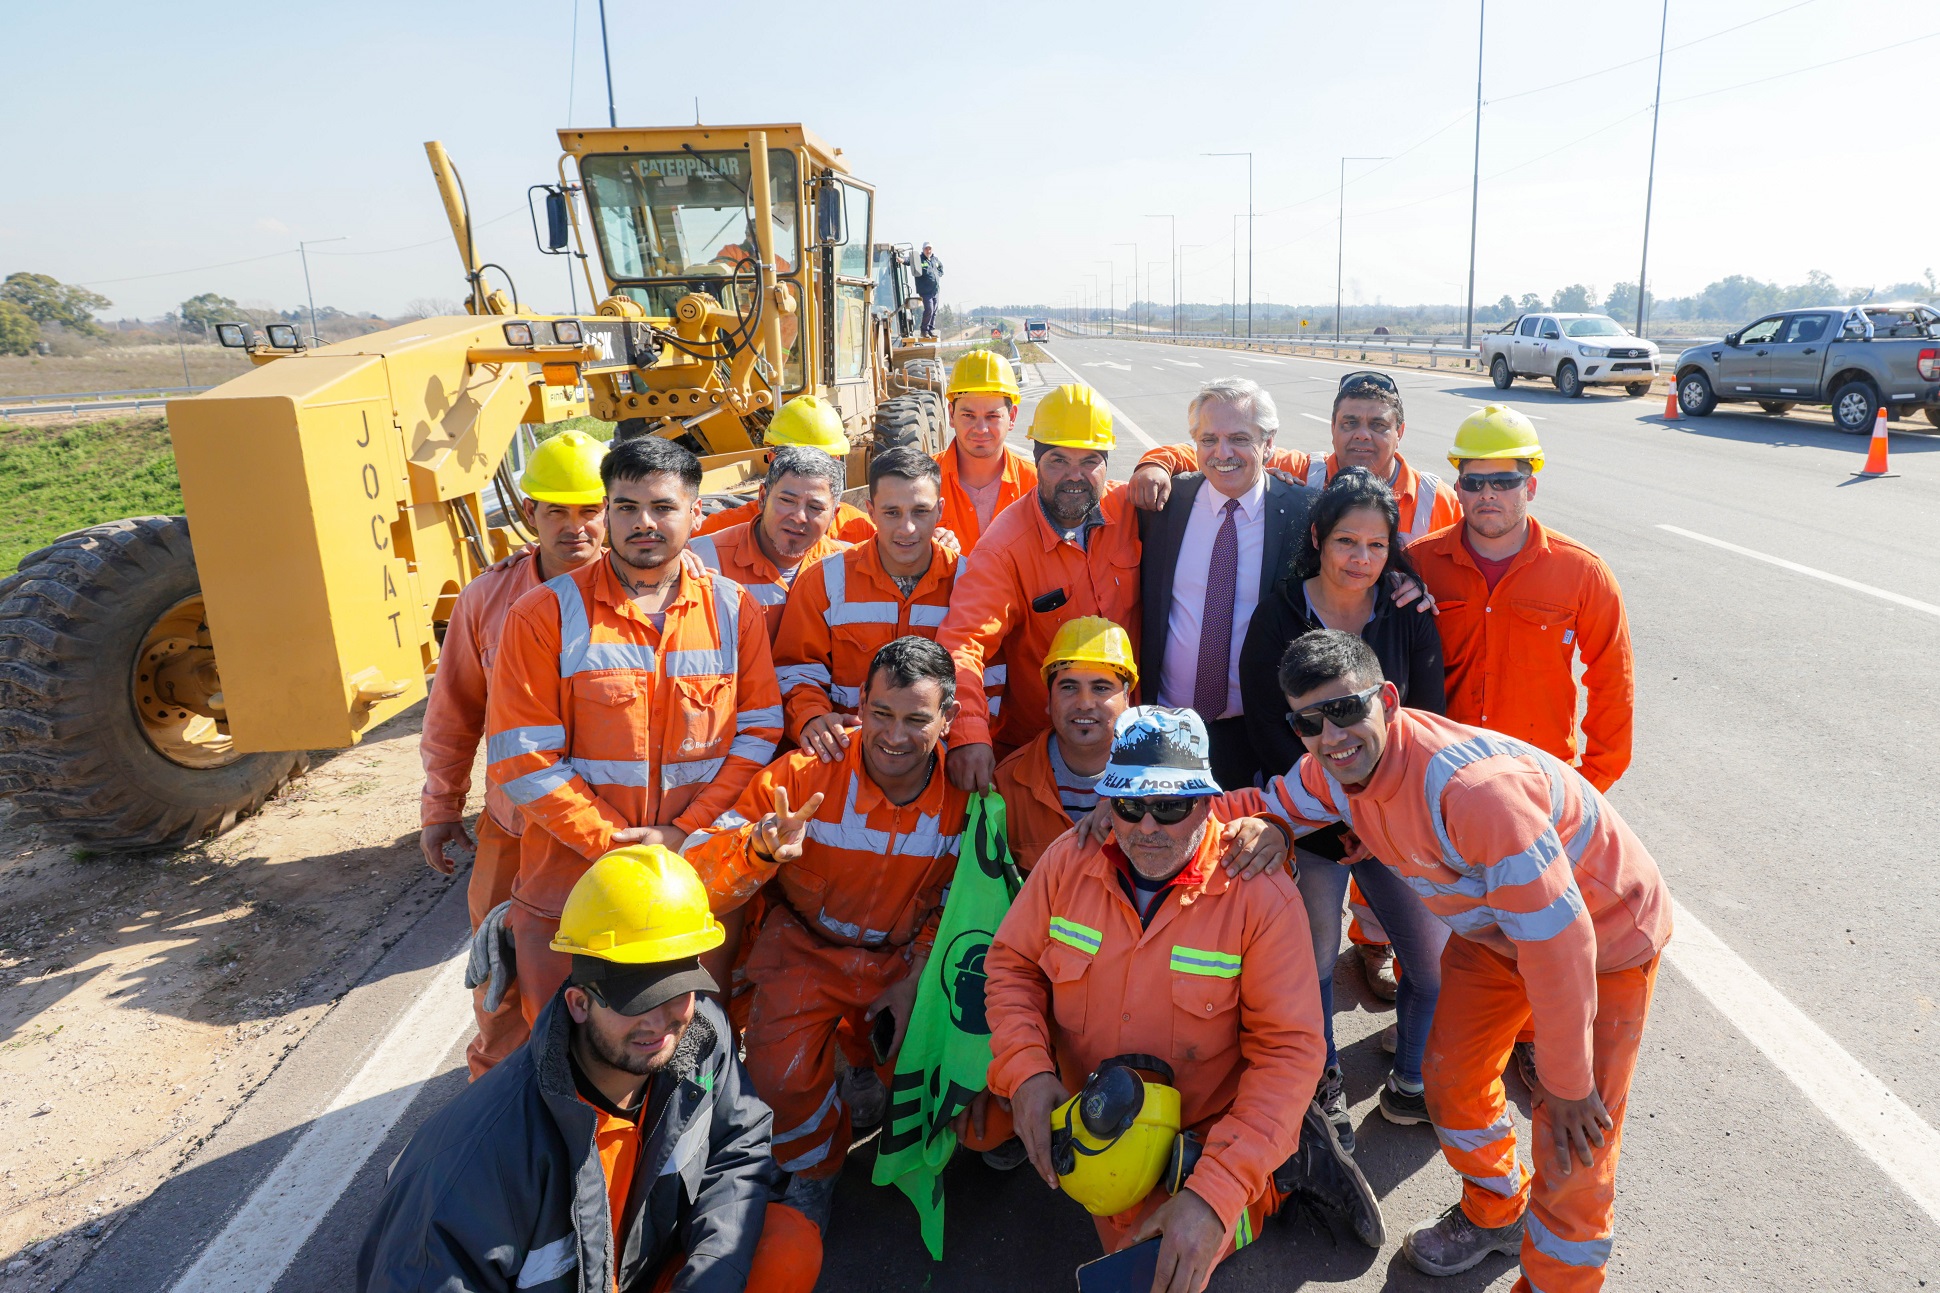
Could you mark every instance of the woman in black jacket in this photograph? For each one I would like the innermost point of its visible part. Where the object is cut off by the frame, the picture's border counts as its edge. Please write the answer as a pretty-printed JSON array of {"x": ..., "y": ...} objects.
[{"x": 1340, "y": 579}]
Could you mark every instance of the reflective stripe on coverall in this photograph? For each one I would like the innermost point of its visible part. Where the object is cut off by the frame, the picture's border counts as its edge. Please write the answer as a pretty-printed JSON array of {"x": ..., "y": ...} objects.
[
  {"x": 995, "y": 622},
  {"x": 1221, "y": 985},
  {"x": 852, "y": 524},
  {"x": 1426, "y": 501},
  {"x": 1524, "y": 859},
  {"x": 454, "y": 724},
  {"x": 1508, "y": 651},
  {"x": 960, "y": 512},
  {"x": 842, "y": 610},
  {"x": 600, "y": 723},
  {"x": 844, "y": 924},
  {"x": 735, "y": 553}
]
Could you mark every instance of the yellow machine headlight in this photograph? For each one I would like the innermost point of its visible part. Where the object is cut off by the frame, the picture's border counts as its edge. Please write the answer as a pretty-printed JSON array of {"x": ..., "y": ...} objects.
[
  {"x": 566, "y": 332},
  {"x": 518, "y": 334},
  {"x": 284, "y": 336}
]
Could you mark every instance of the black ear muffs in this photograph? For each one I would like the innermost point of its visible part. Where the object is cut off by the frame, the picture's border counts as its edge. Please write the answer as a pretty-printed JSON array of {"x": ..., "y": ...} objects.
[
  {"x": 1186, "y": 1149},
  {"x": 1108, "y": 1106}
]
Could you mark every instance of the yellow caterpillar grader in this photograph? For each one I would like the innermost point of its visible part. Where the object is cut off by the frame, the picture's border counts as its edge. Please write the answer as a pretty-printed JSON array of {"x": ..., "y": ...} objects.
[{"x": 161, "y": 676}]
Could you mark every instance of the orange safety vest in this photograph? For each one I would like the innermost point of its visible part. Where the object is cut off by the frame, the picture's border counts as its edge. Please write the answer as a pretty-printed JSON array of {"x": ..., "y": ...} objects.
[
  {"x": 960, "y": 512},
  {"x": 735, "y": 553}
]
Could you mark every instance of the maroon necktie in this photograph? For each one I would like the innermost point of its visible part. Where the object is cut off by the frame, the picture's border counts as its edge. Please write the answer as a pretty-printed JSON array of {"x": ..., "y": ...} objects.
[{"x": 1216, "y": 619}]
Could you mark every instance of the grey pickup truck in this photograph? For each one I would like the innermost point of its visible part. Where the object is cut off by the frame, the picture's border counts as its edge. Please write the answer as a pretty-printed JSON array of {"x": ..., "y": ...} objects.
[{"x": 1854, "y": 358}]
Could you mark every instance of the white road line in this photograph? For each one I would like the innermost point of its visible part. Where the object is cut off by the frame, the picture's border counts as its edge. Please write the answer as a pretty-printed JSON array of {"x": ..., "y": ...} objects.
[
  {"x": 1117, "y": 414},
  {"x": 1843, "y": 582},
  {"x": 1856, "y": 1102},
  {"x": 1315, "y": 416},
  {"x": 1184, "y": 363},
  {"x": 266, "y": 1233}
]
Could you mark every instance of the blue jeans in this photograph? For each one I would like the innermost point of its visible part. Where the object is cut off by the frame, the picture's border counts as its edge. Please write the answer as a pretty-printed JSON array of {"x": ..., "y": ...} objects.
[
  {"x": 1415, "y": 933},
  {"x": 928, "y": 326}
]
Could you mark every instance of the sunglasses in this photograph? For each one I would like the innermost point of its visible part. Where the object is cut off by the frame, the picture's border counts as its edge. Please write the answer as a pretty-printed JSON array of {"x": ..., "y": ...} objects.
[
  {"x": 1166, "y": 810},
  {"x": 1502, "y": 482},
  {"x": 1372, "y": 378},
  {"x": 1342, "y": 711}
]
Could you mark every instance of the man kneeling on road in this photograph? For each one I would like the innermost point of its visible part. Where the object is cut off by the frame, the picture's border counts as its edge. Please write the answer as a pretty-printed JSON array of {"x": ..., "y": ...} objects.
[
  {"x": 1560, "y": 914},
  {"x": 861, "y": 850},
  {"x": 621, "y": 1148},
  {"x": 1144, "y": 947}
]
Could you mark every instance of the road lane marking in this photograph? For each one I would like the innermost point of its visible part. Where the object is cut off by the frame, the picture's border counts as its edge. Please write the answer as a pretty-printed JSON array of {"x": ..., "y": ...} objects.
[
  {"x": 1184, "y": 363},
  {"x": 1793, "y": 566},
  {"x": 1117, "y": 414},
  {"x": 1884, "y": 1127},
  {"x": 1106, "y": 363},
  {"x": 256, "y": 1247},
  {"x": 1315, "y": 416}
]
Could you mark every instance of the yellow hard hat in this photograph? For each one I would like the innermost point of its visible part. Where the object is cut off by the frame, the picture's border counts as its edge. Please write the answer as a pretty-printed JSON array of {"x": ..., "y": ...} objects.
[
  {"x": 636, "y": 906},
  {"x": 565, "y": 469},
  {"x": 1112, "y": 1142},
  {"x": 1073, "y": 417},
  {"x": 1091, "y": 639},
  {"x": 1497, "y": 431},
  {"x": 983, "y": 372},
  {"x": 809, "y": 422}
]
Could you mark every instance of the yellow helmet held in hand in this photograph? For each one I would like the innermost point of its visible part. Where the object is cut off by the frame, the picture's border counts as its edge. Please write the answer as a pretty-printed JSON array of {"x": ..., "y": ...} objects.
[
  {"x": 1091, "y": 639},
  {"x": 636, "y": 906},
  {"x": 1497, "y": 431},
  {"x": 983, "y": 372},
  {"x": 1112, "y": 1143},
  {"x": 809, "y": 422},
  {"x": 1073, "y": 417},
  {"x": 565, "y": 469}
]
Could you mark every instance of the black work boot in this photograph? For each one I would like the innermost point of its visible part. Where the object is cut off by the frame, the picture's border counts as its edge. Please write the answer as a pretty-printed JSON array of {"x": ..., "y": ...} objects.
[
  {"x": 1331, "y": 1095},
  {"x": 1323, "y": 1175},
  {"x": 1451, "y": 1243}
]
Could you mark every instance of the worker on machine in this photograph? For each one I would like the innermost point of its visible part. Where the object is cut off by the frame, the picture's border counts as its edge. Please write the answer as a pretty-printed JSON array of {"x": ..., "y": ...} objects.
[
  {"x": 849, "y": 605},
  {"x": 1181, "y": 1005},
  {"x": 1520, "y": 605},
  {"x": 631, "y": 701},
  {"x": 982, "y": 475},
  {"x": 860, "y": 851},
  {"x": 623, "y": 1148},
  {"x": 1051, "y": 784},
  {"x": 805, "y": 422},
  {"x": 791, "y": 530},
  {"x": 1075, "y": 553},
  {"x": 1559, "y": 917},
  {"x": 564, "y": 506},
  {"x": 1367, "y": 427}
]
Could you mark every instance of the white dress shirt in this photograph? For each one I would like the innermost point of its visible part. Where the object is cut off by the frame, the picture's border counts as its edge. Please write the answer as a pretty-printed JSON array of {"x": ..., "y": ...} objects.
[{"x": 1181, "y": 669}]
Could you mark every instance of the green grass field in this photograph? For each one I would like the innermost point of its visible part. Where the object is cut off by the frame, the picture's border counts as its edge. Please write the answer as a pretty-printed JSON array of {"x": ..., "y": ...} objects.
[{"x": 59, "y": 478}]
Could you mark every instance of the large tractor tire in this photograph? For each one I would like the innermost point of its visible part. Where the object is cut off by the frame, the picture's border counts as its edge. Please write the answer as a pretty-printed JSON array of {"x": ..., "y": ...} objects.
[
  {"x": 110, "y": 704},
  {"x": 915, "y": 419}
]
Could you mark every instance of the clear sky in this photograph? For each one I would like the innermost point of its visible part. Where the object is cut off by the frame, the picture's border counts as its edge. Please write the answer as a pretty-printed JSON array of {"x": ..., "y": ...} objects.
[{"x": 1026, "y": 141}]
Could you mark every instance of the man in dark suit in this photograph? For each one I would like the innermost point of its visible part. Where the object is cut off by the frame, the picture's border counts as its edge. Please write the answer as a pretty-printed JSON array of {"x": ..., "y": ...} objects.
[{"x": 1222, "y": 538}]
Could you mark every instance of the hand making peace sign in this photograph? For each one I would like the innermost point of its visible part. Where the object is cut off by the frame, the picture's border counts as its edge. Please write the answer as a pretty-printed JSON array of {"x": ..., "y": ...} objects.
[{"x": 779, "y": 835}]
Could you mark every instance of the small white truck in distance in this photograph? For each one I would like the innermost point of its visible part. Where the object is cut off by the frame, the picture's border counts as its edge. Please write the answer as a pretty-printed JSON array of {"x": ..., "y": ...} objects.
[{"x": 1572, "y": 350}]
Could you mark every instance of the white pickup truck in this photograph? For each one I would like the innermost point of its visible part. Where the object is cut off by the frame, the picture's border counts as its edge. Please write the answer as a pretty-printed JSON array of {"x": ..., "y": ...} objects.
[{"x": 1572, "y": 350}]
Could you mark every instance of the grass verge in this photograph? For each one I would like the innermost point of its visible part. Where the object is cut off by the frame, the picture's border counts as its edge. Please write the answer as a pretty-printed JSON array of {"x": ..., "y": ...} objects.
[{"x": 54, "y": 479}]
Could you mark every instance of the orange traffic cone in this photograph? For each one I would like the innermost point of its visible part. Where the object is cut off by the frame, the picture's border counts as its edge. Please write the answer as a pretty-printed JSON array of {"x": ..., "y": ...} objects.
[
  {"x": 1876, "y": 453},
  {"x": 1670, "y": 406}
]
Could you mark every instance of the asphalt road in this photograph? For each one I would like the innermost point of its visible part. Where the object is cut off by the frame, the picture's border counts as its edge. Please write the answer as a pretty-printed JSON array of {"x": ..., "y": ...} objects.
[{"x": 1784, "y": 777}]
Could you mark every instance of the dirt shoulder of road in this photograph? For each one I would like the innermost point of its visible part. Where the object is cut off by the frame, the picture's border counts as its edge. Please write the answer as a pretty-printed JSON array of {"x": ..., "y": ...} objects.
[{"x": 143, "y": 998}]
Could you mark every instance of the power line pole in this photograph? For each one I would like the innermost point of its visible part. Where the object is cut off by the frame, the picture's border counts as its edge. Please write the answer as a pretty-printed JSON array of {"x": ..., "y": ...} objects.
[
  {"x": 1650, "y": 185},
  {"x": 606, "y": 55},
  {"x": 1475, "y": 184},
  {"x": 303, "y": 250},
  {"x": 1249, "y": 236}
]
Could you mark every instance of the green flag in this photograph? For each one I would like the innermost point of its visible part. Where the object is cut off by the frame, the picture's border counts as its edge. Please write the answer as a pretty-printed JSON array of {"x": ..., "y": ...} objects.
[{"x": 946, "y": 1051}]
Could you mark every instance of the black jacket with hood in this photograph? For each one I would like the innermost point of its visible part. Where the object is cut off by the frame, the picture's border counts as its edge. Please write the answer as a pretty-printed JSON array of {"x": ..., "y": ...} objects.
[{"x": 502, "y": 1188}]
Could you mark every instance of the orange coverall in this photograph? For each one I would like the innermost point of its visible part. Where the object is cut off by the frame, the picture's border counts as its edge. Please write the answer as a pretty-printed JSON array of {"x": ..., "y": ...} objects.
[
  {"x": 1561, "y": 914},
  {"x": 845, "y": 922},
  {"x": 852, "y": 524},
  {"x": 1513, "y": 671},
  {"x": 599, "y": 722},
  {"x": 454, "y": 724},
  {"x": 960, "y": 513},
  {"x": 1033, "y": 814},
  {"x": 1220, "y": 984},
  {"x": 1427, "y": 502},
  {"x": 735, "y": 553},
  {"x": 996, "y": 630},
  {"x": 841, "y": 611}
]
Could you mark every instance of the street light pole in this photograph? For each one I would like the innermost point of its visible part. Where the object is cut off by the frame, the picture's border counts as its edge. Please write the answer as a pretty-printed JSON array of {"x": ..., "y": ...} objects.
[
  {"x": 1174, "y": 240},
  {"x": 1475, "y": 183},
  {"x": 1340, "y": 246},
  {"x": 1186, "y": 247},
  {"x": 303, "y": 250},
  {"x": 1249, "y": 237},
  {"x": 606, "y": 56},
  {"x": 1650, "y": 185},
  {"x": 1111, "y": 295},
  {"x": 1134, "y": 301}
]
